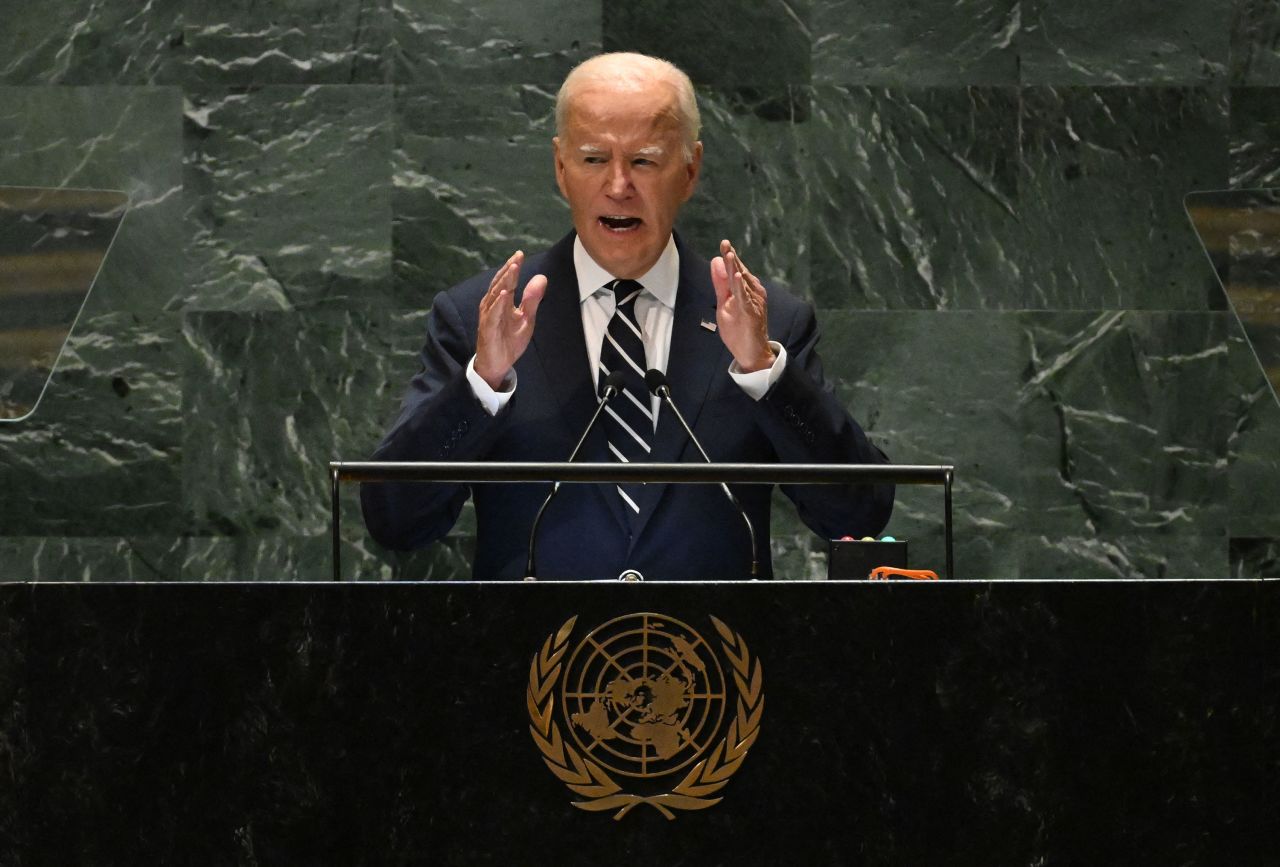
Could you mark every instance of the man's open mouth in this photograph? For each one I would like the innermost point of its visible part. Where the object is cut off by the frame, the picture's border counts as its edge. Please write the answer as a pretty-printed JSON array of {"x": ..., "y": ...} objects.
[{"x": 620, "y": 224}]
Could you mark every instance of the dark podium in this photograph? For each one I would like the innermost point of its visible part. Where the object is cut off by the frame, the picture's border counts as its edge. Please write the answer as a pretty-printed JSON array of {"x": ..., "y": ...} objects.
[{"x": 888, "y": 723}]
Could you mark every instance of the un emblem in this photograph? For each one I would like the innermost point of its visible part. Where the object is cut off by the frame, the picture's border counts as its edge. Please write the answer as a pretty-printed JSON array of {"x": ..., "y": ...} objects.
[{"x": 644, "y": 698}]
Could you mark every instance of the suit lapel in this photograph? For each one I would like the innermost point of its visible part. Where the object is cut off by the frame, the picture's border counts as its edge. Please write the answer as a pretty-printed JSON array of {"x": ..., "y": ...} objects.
[
  {"x": 697, "y": 356},
  {"x": 562, "y": 351}
]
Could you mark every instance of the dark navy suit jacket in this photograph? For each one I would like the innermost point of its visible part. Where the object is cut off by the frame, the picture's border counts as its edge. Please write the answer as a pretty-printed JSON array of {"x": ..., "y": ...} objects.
[{"x": 684, "y": 532}]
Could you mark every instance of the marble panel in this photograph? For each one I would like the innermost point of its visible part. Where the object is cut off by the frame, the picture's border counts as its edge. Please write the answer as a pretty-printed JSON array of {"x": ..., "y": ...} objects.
[
  {"x": 1255, "y": 558},
  {"x": 881, "y": 42},
  {"x": 16, "y": 752},
  {"x": 474, "y": 181},
  {"x": 1125, "y": 419},
  {"x": 243, "y": 42},
  {"x": 1253, "y": 449},
  {"x": 96, "y": 559},
  {"x": 1253, "y": 286},
  {"x": 492, "y": 41},
  {"x": 102, "y": 455},
  {"x": 289, "y": 197},
  {"x": 114, "y": 138},
  {"x": 270, "y": 398},
  {"x": 1255, "y": 137},
  {"x": 752, "y": 188},
  {"x": 1240, "y": 232},
  {"x": 52, "y": 243},
  {"x": 797, "y": 554},
  {"x": 940, "y": 388},
  {"x": 1105, "y": 171},
  {"x": 282, "y": 557},
  {"x": 1255, "y": 42},
  {"x": 915, "y": 198},
  {"x": 88, "y": 42},
  {"x": 1121, "y": 555},
  {"x": 733, "y": 43},
  {"x": 1047, "y": 723},
  {"x": 1140, "y": 42}
]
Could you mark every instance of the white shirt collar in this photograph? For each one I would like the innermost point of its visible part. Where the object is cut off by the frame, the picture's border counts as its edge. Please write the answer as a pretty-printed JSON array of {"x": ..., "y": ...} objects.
[{"x": 660, "y": 281}]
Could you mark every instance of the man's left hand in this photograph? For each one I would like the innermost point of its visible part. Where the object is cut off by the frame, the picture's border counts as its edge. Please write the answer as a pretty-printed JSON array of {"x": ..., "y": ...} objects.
[{"x": 742, "y": 311}]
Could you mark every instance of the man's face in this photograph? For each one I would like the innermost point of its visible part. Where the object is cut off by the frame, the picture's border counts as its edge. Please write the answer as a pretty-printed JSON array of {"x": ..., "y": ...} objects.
[{"x": 621, "y": 166}]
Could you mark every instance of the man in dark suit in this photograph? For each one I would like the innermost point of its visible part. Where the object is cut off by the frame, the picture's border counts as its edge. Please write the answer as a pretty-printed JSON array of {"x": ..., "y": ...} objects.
[{"x": 515, "y": 360}]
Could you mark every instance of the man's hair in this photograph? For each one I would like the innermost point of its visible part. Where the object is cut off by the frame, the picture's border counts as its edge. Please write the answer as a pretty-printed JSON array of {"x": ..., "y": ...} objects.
[{"x": 638, "y": 71}]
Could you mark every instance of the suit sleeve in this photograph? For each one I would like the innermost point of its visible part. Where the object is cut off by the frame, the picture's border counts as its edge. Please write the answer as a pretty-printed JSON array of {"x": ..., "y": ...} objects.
[
  {"x": 806, "y": 423},
  {"x": 440, "y": 419}
]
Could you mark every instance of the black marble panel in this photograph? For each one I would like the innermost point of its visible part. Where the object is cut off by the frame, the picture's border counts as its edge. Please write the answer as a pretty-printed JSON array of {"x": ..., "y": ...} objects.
[
  {"x": 969, "y": 42},
  {"x": 915, "y": 196},
  {"x": 103, "y": 455},
  {"x": 1134, "y": 43},
  {"x": 1126, "y": 419},
  {"x": 243, "y": 42},
  {"x": 289, "y": 194},
  {"x": 1255, "y": 137},
  {"x": 87, "y": 42},
  {"x": 1255, "y": 42},
  {"x": 474, "y": 182},
  {"x": 731, "y": 43},
  {"x": 15, "y": 730},
  {"x": 113, "y": 138},
  {"x": 1018, "y": 723},
  {"x": 1104, "y": 174},
  {"x": 492, "y": 41}
]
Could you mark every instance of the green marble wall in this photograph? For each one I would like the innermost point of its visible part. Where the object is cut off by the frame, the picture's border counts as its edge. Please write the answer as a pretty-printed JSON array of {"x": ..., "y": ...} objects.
[{"x": 984, "y": 198}]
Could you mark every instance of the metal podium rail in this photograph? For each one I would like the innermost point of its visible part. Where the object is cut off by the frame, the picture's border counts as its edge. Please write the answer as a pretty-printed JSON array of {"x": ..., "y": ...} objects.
[{"x": 680, "y": 474}]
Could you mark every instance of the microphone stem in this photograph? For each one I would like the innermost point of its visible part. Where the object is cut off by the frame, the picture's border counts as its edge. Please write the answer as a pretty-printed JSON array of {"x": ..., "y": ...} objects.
[
  {"x": 530, "y": 575},
  {"x": 664, "y": 392}
]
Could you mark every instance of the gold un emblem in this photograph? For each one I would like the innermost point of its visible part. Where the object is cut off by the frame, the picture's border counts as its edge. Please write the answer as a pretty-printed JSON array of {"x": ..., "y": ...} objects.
[{"x": 643, "y": 701}]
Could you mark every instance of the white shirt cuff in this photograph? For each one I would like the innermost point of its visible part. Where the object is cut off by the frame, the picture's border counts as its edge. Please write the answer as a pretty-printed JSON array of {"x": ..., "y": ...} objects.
[
  {"x": 757, "y": 384},
  {"x": 493, "y": 401}
]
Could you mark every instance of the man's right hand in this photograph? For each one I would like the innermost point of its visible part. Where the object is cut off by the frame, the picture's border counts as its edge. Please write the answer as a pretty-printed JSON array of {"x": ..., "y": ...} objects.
[{"x": 505, "y": 330}]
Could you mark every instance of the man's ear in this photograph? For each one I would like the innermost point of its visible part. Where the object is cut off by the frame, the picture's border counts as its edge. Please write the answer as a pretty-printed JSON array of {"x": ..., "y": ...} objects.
[
  {"x": 559, "y": 161},
  {"x": 694, "y": 169}
]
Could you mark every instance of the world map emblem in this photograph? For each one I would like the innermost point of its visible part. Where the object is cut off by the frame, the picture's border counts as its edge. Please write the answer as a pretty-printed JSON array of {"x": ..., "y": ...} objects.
[{"x": 643, "y": 710}]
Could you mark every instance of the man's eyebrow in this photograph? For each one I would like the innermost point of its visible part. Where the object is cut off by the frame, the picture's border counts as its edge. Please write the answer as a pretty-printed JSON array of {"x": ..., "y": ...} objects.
[
  {"x": 590, "y": 149},
  {"x": 651, "y": 151}
]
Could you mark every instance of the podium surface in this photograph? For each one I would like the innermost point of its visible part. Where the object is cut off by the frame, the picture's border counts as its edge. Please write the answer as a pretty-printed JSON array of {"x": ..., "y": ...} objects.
[{"x": 894, "y": 723}]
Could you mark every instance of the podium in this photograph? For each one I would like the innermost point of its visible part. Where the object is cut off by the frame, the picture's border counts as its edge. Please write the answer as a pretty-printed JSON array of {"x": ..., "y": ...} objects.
[{"x": 898, "y": 723}]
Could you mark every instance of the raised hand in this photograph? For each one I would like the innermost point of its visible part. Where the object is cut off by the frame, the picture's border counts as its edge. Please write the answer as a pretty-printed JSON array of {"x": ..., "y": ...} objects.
[
  {"x": 742, "y": 311},
  {"x": 505, "y": 329}
]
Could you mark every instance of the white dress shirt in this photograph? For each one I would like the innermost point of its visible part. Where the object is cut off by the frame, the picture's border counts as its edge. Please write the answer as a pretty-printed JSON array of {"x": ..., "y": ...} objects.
[{"x": 655, "y": 311}]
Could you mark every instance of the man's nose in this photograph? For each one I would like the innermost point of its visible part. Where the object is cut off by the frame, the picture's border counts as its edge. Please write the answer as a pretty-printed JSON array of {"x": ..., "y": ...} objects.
[{"x": 619, "y": 184}]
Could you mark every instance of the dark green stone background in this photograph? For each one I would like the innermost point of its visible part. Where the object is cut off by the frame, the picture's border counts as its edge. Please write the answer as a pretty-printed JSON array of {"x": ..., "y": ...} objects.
[{"x": 984, "y": 199}]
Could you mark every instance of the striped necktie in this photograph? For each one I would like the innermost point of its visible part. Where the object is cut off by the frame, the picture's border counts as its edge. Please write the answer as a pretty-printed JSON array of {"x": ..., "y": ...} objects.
[{"x": 628, "y": 420}]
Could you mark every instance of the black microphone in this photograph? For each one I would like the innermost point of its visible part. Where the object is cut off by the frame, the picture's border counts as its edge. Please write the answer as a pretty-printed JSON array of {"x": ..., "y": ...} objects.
[
  {"x": 612, "y": 388},
  {"x": 656, "y": 380}
]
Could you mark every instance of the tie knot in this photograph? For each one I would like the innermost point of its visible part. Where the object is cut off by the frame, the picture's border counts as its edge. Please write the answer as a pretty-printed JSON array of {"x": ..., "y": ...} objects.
[{"x": 625, "y": 291}]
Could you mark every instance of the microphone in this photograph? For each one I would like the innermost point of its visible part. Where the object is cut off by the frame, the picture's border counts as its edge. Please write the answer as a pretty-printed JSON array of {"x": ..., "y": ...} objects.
[
  {"x": 612, "y": 388},
  {"x": 656, "y": 381}
]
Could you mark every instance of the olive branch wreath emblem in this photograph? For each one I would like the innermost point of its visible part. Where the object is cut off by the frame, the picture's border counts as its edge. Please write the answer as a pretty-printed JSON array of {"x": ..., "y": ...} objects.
[{"x": 590, "y": 781}]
